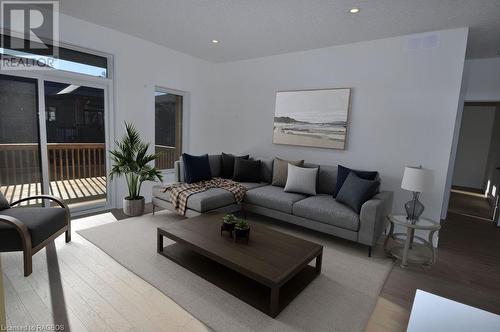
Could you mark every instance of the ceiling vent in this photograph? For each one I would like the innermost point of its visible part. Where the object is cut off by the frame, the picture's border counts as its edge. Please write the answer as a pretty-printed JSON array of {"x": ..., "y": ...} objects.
[{"x": 424, "y": 42}]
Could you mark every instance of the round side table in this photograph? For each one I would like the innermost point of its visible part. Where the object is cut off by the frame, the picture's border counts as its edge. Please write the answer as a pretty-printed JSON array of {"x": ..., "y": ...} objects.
[{"x": 404, "y": 246}]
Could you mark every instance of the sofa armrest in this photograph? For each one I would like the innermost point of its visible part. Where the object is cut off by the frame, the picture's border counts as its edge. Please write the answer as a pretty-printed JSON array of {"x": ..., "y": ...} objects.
[
  {"x": 373, "y": 217},
  {"x": 178, "y": 171}
]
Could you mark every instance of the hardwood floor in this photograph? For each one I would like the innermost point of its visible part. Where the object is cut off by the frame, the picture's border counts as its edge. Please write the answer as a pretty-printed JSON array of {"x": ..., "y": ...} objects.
[
  {"x": 388, "y": 317},
  {"x": 470, "y": 203},
  {"x": 467, "y": 270},
  {"x": 78, "y": 285}
]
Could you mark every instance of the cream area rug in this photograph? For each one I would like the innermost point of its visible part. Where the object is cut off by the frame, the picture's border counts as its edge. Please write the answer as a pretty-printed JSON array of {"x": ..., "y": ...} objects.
[{"x": 340, "y": 299}]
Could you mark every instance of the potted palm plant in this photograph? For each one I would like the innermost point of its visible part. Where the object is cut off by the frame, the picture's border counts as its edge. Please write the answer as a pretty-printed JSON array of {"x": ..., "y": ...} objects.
[{"x": 131, "y": 160}]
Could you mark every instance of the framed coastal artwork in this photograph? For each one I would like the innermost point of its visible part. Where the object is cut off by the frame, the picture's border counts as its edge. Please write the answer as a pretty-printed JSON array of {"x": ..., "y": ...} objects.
[{"x": 316, "y": 118}]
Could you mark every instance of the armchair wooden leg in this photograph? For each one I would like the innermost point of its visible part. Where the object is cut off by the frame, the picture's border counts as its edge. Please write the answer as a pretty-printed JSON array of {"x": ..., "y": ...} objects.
[
  {"x": 28, "y": 265},
  {"x": 68, "y": 231}
]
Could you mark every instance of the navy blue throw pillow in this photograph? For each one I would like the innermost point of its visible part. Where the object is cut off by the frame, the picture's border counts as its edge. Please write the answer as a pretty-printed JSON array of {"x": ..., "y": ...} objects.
[
  {"x": 246, "y": 170},
  {"x": 343, "y": 172},
  {"x": 356, "y": 191},
  {"x": 196, "y": 168}
]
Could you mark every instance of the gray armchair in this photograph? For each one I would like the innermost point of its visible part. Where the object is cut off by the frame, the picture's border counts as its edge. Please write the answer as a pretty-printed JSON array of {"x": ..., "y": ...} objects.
[{"x": 30, "y": 229}]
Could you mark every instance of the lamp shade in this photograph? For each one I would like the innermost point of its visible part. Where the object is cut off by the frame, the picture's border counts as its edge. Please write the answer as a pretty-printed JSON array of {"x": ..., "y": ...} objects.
[{"x": 417, "y": 179}]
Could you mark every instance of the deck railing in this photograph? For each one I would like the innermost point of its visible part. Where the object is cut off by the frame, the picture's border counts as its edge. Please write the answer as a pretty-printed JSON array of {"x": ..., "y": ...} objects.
[
  {"x": 76, "y": 160},
  {"x": 20, "y": 163},
  {"x": 77, "y": 171}
]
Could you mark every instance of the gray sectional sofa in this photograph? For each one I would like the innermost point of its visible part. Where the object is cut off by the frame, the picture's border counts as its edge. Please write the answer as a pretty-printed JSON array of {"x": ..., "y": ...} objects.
[{"x": 320, "y": 212}]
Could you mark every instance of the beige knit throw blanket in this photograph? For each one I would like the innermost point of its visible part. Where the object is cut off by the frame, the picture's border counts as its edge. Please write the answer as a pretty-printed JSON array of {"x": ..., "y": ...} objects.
[{"x": 180, "y": 192}]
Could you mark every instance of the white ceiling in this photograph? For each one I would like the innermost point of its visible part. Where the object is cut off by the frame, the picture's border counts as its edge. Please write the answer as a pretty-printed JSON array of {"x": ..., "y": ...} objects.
[{"x": 253, "y": 28}]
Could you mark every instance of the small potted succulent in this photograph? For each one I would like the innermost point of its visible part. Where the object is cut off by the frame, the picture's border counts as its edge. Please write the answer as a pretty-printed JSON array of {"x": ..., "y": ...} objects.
[
  {"x": 241, "y": 230},
  {"x": 228, "y": 222}
]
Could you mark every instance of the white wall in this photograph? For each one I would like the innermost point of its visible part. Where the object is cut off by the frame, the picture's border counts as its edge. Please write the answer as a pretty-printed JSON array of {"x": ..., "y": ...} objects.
[
  {"x": 474, "y": 146},
  {"x": 140, "y": 65},
  {"x": 482, "y": 77},
  {"x": 403, "y": 112}
]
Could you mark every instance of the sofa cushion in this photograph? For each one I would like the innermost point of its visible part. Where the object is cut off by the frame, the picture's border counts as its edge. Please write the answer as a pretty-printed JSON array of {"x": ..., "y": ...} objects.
[
  {"x": 273, "y": 197},
  {"x": 301, "y": 180},
  {"x": 158, "y": 192},
  {"x": 343, "y": 172},
  {"x": 196, "y": 168},
  {"x": 325, "y": 209},
  {"x": 227, "y": 165},
  {"x": 253, "y": 185},
  {"x": 41, "y": 223},
  {"x": 246, "y": 170},
  {"x": 280, "y": 170},
  {"x": 201, "y": 202},
  {"x": 4, "y": 203},
  {"x": 356, "y": 191},
  {"x": 210, "y": 199}
]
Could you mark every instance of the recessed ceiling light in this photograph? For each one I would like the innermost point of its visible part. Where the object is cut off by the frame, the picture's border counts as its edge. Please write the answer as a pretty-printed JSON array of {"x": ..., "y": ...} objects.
[
  {"x": 354, "y": 10},
  {"x": 215, "y": 41}
]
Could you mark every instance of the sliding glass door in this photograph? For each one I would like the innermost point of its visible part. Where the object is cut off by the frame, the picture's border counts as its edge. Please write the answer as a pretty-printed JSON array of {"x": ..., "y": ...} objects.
[
  {"x": 20, "y": 163},
  {"x": 76, "y": 142},
  {"x": 59, "y": 151}
]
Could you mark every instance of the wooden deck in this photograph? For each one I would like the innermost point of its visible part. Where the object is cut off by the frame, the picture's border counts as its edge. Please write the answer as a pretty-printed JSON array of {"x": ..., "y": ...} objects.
[
  {"x": 77, "y": 170},
  {"x": 71, "y": 191}
]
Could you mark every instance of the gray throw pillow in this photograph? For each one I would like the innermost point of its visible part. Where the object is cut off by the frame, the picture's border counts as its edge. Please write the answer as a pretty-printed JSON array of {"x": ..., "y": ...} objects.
[
  {"x": 301, "y": 180},
  {"x": 356, "y": 191},
  {"x": 280, "y": 170},
  {"x": 4, "y": 203}
]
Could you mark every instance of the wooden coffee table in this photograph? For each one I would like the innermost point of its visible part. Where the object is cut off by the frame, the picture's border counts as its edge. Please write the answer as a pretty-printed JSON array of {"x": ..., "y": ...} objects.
[{"x": 268, "y": 272}]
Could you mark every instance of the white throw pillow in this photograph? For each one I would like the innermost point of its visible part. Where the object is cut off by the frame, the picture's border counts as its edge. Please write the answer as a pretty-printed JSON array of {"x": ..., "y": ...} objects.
[{"x": 301, "y": 180}]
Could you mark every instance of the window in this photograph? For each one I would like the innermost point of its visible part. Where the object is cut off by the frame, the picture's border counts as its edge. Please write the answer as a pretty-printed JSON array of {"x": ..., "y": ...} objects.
[
  {"x": 68, "y": 59},
  {"x": 168, "y": 127}
]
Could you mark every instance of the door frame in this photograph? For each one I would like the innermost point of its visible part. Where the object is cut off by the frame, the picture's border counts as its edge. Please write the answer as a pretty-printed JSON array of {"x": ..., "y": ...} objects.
[
  {"x": 185, "y": 117},
  {"x": 83, "y": 80},
  {"x": 451, "y": 166}
]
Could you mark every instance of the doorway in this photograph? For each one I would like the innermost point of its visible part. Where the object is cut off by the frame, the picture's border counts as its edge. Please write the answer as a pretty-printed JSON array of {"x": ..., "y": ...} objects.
[
  {"x": 53, "y": 140},
  {"x": 476, "y": 176}
]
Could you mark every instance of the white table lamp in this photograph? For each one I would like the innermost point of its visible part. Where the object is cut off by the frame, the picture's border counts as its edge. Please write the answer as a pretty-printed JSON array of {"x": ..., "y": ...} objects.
[{"x": 416, "y": 180}]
